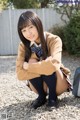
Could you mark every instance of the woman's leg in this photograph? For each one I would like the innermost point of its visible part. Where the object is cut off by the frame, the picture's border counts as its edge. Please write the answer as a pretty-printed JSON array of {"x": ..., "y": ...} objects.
[
  {"x": 51, "y": 80},
  {"x": 61, "y": 86},
  {"x": 33, "y": 89},
  {"x": 37, "y": 83}
]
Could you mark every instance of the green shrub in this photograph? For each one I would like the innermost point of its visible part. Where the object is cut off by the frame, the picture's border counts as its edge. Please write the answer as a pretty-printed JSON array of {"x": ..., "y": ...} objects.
[
  {"x": 72, "y": 35},
  {"x": 60, "y": 32}
]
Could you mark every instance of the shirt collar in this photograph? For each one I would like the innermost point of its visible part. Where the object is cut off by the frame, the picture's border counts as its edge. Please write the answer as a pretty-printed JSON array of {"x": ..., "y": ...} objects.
[
  {"x": 35, "y": 44},
  {"x": 31, "y": 43}
]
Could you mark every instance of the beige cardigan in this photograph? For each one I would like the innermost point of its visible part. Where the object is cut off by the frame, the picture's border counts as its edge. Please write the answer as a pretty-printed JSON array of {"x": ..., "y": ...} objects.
[{"x": 54, "y": 45}]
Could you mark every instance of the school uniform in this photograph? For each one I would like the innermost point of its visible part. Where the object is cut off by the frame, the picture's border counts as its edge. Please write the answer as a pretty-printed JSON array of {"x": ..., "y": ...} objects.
[
  {"x": 44, "y": 70},
  {"x": 54, "y": 45}
]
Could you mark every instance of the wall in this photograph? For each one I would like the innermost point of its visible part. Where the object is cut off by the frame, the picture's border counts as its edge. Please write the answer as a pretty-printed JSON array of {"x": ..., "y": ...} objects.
[{"x": 9, "y": 39}]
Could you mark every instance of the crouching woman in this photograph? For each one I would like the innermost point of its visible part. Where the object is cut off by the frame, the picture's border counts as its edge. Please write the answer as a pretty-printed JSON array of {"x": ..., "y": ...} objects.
[{"x": 39, "y": 60}]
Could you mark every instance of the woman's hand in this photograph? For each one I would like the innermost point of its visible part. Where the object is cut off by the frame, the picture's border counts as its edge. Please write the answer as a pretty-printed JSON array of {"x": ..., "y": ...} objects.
[
  {"x": 49, "y": 58},
  {"x": 25, "y": 64}
]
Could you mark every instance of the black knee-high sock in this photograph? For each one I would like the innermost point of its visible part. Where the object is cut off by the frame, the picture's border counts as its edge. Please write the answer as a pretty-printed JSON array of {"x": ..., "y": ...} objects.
[
  {"x": 38, "y": 85},
  {"x": 51, "y": 83}
]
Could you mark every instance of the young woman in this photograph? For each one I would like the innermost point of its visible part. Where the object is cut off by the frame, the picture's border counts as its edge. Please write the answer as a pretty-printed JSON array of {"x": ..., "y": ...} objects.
[{"x": 39, "y": 60}]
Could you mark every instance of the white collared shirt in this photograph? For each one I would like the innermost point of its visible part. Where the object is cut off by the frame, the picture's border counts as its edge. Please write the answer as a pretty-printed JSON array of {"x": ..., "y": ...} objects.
[
  {"x": 35, "y": 44},
  {"x": 31, "y": 43}
]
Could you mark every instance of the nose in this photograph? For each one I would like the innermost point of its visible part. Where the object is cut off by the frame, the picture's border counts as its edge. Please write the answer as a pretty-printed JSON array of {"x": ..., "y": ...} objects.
[{"x": 28, "y": 33}]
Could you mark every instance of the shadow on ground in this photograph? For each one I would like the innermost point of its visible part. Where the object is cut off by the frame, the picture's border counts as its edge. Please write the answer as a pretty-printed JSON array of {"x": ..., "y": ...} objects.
[{"x": 22, "y": 111}]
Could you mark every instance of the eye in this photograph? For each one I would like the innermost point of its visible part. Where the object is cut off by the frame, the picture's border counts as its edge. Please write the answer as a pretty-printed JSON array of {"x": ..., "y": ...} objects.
[
  {"x": 23, "y": 30},
  {"x": 31, "y": 26}
]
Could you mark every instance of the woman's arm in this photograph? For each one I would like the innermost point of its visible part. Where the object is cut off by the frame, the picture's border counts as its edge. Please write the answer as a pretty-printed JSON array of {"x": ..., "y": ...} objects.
[
  {"x": 23, "y": 74},
  {"x": 52, "y": 63},
  {"x": 26, "y": 65}
]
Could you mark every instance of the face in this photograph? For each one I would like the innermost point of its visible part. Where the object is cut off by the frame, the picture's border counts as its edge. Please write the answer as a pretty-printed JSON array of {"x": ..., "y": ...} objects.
[{"x": 30, "y": 32}]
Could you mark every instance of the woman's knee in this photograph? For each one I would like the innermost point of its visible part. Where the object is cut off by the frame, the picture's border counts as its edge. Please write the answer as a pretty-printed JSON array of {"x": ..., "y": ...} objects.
[{"x": 33, "y": 89}]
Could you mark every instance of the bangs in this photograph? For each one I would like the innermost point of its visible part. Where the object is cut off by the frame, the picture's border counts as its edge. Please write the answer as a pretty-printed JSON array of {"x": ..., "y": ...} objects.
[{"x": 24, "y": 23}]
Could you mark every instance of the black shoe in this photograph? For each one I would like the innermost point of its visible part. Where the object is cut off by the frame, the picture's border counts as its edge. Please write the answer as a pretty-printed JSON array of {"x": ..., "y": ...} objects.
[
  {"x": 38, "y": 102},
  {"x": 52, "y": 103}
]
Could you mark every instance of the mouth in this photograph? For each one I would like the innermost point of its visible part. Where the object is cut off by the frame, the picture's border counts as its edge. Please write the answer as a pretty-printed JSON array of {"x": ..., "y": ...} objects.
[{"x": 31, "y": 37}]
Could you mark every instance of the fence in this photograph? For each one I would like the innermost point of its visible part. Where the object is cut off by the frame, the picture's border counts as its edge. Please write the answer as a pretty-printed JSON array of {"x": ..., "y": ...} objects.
[{"x": 9, "y": 39}]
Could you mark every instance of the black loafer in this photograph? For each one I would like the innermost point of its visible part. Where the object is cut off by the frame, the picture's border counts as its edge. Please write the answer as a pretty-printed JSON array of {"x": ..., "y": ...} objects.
[
  {"x": 52, "y": 103},
  {"x": 38, "y": 102}
]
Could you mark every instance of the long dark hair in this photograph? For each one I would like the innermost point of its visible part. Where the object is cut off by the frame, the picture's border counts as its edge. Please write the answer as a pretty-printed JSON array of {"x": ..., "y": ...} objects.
[{"x": 24, "y": 20}]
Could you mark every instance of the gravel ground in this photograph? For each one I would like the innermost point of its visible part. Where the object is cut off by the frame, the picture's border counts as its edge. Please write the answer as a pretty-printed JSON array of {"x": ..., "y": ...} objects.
[{"x": 15, "y": 96}]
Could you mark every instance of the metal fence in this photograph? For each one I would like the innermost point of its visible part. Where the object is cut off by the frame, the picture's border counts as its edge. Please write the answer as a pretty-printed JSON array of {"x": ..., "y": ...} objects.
[{"x": 9, "y": 39}]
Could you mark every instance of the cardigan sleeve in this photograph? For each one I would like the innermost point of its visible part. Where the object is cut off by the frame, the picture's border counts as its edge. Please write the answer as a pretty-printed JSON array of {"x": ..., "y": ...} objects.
[
  {"x": 47, "y": 67},
  {"x": 21, "y": 73}
]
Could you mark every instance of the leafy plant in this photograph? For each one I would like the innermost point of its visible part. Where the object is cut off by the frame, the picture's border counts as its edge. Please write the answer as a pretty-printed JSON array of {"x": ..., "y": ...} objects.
[
  {"x": 72, "y": 35},
  {"x": 59, "y": 30}
]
